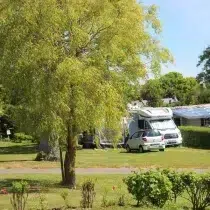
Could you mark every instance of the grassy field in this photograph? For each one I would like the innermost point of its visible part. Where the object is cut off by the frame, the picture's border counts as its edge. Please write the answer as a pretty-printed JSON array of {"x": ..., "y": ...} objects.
[
  {"x": 49, "y": 185},
  {"x": 16, "y": 155}
]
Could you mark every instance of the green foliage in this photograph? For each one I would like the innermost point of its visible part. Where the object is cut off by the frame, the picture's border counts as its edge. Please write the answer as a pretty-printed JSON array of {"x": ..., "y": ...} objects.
[
  {"x": 105, "y": 202},
  {"x": 79, "y": 147},
  {"x": 88, "y": 194},
  {"x": 196, "y": 137},
  {"x": 70, "y": 65},
  {"x": 153, "y": 92},
  {"x": 151, "y": 186},
  {"x": 2, "y": 101},
  {"x": 1, "y": 107},
  {"x": 89, "y": 65},
  {"x": 97, "y": 141},
  {"x": 64, "y": 196},
  {"x": 176, "y": 181},
  {"x": 171, "y": 85},
  {"x": 184, "y": 88},
  {"x": 204, "y": 95},
  {"x": 197, "y": 187},
  {"x": 158, "y": 188},
  {"x": 121, "y": 200},
  {"x": 41, "y": 156},
  {"x": 43, "y": 202},
  {"x": 19, "y": 195},
  {"x": 204, "y": 59},
  {"x": 19, "y": 137},
  {"x": 136, "y": 185}
]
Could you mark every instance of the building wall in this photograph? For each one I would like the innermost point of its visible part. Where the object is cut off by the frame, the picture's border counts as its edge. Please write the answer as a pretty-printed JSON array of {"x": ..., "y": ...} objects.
[{"x": 191, "y": 122}]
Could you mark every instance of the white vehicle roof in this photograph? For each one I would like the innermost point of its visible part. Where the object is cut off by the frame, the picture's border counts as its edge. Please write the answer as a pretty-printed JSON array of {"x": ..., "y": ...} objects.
[{"x": 150, "y": 112}]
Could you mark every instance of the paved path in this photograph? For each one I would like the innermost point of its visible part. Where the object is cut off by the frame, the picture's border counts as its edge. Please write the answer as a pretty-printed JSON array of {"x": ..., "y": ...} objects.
[{"x": 82, "y": 170}]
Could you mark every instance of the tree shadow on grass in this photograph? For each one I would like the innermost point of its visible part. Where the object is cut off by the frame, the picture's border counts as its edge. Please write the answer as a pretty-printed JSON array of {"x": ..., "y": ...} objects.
[
  {"x": 137, "y": 152},
  {"x": 7, "y": 161},
  {"x": 19, "y": 149},
  {"x": 36, "y": 186}
]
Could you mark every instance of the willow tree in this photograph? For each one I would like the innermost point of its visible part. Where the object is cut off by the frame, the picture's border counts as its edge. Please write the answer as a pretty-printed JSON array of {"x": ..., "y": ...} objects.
[{"x": 71, "y": 63}]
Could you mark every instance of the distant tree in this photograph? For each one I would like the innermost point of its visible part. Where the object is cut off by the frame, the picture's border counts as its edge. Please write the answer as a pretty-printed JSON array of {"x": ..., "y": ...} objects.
[
  {"x": 171, "y": 85},
  {"x": 189, "y": 91},
  {"x": 204, "y": 96},
  {"x": 204, "y": 59},
  {"x": 183, "y": 88},
  {"x": 153, "y": 93}
]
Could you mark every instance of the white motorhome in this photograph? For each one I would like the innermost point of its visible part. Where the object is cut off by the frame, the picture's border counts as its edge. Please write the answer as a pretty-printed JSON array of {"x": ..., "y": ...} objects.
[{"x": 154, "y": 118}]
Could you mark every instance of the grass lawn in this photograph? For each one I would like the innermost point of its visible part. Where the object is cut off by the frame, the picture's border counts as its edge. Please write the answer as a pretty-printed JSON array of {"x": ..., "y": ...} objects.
[
  {"x": 17, "y": 155},
  {"x": 49, "y": 186}
]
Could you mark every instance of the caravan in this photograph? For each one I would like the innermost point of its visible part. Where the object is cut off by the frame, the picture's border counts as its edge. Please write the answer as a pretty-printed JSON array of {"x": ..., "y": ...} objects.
[{"x": 160, "y": 119}]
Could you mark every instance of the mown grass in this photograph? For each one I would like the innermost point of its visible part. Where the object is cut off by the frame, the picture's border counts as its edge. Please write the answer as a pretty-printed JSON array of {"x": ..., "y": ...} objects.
[
  {"x": 19, "y": 155},
  {"x": 49, "y": 186}
]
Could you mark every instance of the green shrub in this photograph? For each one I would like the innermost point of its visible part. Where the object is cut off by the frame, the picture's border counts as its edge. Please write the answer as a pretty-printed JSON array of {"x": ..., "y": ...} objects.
[
  {"x": 196, "y": 137},
  {"x": 43, "y": 202},
  {"x": 88, "y": 194},
  {"x": 176, "y": 181},
  {"x": 197, "y": 187},
  {"x": 19, "y": 137},
  {"x": 137, "y": 185},
  {"x": 121, "y": 200},
  {"x": 151, "y": 186},
  {"x": 41, "y": 156},
  {"x": 19, "y": 195},
  {"x": 159, "y": 188},
  {"x": 65, "y": 195},
  {"x": 79, "y": 147}
]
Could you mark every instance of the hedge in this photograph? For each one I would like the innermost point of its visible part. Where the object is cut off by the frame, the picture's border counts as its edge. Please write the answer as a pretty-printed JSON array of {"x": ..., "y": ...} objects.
[
  {"x": 19, "y": 137},
  {"x": 195, "y": 137}
]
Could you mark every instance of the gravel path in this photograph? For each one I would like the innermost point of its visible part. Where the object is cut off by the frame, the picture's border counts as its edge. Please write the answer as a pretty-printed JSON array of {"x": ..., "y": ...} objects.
[{"x": 82, "y": 171}]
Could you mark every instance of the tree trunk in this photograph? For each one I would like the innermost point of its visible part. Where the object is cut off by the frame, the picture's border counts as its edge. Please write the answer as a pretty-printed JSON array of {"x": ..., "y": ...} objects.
[
  {"x": 62, "y": 167},
  {"x": 69, "y": 162}
]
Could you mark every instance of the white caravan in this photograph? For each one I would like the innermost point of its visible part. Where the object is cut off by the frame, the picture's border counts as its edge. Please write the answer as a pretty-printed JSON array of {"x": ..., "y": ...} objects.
[{"x": 154, "y": 118}]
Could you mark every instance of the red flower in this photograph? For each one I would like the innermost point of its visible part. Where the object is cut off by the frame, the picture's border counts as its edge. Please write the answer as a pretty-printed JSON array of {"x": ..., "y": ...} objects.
[{"x": 3, "y": 191}]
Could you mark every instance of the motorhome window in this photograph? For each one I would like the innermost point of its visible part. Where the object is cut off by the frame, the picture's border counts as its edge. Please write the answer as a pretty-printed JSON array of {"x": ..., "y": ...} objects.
[
  {"x": 141, "y": 124},
  {"x": 162, "y": 124}
]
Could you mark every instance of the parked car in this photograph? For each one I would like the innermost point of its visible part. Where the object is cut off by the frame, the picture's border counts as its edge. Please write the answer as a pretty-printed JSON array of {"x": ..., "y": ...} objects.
[{"x": 145, "y": 140}]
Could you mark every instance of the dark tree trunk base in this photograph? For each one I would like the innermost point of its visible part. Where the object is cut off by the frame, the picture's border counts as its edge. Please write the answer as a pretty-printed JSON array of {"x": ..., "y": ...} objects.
[{"x": 69, "y": 164}]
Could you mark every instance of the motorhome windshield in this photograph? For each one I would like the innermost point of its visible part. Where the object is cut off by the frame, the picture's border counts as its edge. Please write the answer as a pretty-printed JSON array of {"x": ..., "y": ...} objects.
[{"x": 162, "y": 124}]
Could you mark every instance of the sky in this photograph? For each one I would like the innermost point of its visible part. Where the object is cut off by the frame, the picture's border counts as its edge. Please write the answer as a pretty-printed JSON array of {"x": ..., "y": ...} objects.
[{"x": 186, "y": 32}]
